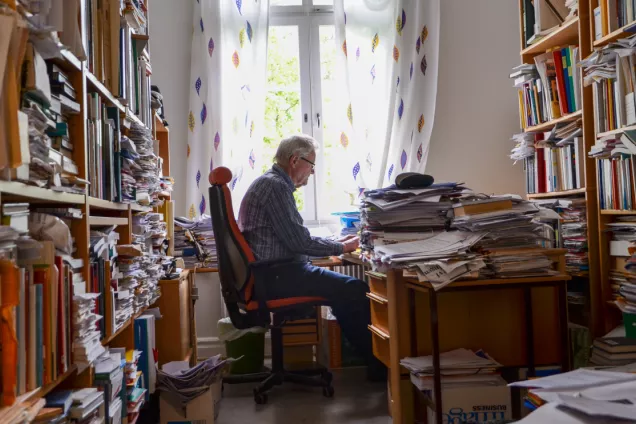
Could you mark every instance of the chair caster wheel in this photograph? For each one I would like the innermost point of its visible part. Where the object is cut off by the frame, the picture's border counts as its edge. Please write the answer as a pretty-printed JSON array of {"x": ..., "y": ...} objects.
[
  {"x": 328, "y": 391},
  {"x": 260, "y": 398}
]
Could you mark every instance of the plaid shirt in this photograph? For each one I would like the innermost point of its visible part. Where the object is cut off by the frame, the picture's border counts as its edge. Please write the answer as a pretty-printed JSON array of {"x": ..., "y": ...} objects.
[{"x": 271, "y": 224}]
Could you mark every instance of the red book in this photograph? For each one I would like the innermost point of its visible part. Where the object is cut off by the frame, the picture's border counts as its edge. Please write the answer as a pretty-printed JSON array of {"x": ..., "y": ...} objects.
[
  {"x": 539, "y": 163},
  {"x": 558, "y": 67}
]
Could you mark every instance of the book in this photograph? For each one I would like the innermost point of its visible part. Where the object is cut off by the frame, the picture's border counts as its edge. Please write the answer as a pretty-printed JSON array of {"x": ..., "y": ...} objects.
[
  {"x": 62, "y": 399},
  {"x": 616, "y": 345}
]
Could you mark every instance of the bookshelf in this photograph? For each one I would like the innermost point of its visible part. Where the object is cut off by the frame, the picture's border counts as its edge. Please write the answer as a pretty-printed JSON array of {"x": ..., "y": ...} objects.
[
  {"x": 96, "y": 210},
  {"x": 610, "y": 30},
  {"x": 575, "y": 33}
]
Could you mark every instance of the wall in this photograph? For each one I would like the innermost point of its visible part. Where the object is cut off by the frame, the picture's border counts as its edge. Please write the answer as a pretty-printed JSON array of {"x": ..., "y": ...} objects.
[
  {"x": 170, "y": 40},
  {"x": 477, "y": 110}
]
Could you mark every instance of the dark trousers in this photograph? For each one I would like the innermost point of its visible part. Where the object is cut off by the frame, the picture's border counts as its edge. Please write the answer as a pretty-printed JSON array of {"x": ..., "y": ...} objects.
[{"x": 346, "y": 296}]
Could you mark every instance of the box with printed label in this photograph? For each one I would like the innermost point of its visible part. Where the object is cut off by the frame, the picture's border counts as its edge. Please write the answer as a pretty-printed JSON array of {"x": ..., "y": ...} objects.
[
  {"x": 203, "y": 409},
  {"x": 475, "y": 404}
]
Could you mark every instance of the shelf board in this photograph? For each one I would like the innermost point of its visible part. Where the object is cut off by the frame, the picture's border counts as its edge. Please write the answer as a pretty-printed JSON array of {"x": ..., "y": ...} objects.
[
  {"x": 72, "y": 60},
  {"x": 617, "y": 212},
  {"x": 45, "y": 390},
  {"x": 102, "y": 221},
  {"x": 616, "y": 131},
  {"x": 140, "y": 208},
  {"x": 203, "y": 270},
  {"x": 557, "y": 194},
  {"x": 548, "y": 125},
  {"x": 568, "y": 33},
  {"x": 105, "y": 204},
  {"x": 159, "y": 127},
  {"x": 103, "y": 91},
  {"x": 128, "y": 322},
  {"x": 42, "y": 195},
  {"x": 623, "y": 32}
]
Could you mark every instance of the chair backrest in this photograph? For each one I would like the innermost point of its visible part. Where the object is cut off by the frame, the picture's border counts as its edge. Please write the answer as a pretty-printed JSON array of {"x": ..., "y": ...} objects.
[{"x": 233, "y": 252}]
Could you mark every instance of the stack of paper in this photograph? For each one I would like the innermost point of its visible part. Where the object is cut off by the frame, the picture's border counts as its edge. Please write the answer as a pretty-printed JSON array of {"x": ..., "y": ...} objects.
[
  {"x": 87, "y": 344},
  {"x": 584, "y": 395},
  {"x": 459, "y": 367},
  {"x": 147, "y": 173},
  {"x": 185, "y": 383},
  {"x": 129, "y": 169},
  {"x": 197, "y": 241},
  {"x": 87, "y": 406},
  {"x": 524, "y": 146}
]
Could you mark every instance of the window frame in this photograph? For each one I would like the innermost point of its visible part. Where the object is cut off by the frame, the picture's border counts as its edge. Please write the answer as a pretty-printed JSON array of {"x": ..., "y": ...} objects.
[{"x": 308, "y": 19}]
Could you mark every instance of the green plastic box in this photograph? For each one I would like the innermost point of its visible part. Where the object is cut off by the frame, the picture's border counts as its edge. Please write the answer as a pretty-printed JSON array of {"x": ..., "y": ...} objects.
[
  {"x": 630, "y": 325},
  {"x": 251, "y": 347}
]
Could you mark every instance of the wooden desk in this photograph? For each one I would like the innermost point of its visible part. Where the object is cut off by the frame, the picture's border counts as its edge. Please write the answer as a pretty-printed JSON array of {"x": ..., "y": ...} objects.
[{"x": 499, "y": 316}]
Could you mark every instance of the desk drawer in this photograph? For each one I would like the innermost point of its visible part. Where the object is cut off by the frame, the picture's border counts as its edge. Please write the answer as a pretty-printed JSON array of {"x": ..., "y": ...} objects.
[
  {"x": 380, "y": 345},
  {"x": 377, "y": 285},
  {"x": 379, "y": 312}
]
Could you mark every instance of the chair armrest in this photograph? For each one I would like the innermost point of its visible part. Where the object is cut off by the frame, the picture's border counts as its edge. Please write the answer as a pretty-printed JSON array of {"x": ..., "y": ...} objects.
[{"x": 270, "y": 262}]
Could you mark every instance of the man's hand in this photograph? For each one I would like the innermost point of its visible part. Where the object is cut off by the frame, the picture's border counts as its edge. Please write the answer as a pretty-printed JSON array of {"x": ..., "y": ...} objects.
[
  {"x": 351, "y": 245},
  {"x": 346, "y": 238}
]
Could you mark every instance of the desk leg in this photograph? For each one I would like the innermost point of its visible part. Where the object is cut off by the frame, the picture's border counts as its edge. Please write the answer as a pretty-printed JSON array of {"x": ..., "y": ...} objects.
[
  {"x": 399, "y": 347},
  {"x": 563, "y": 325},
  {"x": 527, "y": 299},
  {"x": 437, "y": 379}
]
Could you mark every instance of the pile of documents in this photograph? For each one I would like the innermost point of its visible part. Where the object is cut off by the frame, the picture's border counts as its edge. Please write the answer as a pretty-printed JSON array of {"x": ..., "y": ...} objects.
[
  {"x": 184, "y": 383},
  {"x": 129, "y": 168},
  {"x": 146, "y": 174},
  {"x": 196, "y": 242},
  {"x": 524, "y": 146},
  {"x": 445, "y": 233},
  {"x": 459, "y": 367},
  {"x": 571, "y": 232},
  {"x": 141, "y": 274},
  {"x": 581, "y": 396},
  {"x": 87, "y": 344}
]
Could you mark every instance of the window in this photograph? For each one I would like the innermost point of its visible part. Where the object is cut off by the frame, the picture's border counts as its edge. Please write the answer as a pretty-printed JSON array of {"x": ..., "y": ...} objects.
[{"x": 300, "y": 96}]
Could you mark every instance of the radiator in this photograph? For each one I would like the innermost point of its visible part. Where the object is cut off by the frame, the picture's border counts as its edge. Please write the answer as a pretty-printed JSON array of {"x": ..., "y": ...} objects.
[{"x": 356, "y": 271}]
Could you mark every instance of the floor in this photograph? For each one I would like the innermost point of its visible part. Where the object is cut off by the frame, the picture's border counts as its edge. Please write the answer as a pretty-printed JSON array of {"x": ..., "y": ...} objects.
[{"x": 356, "y": 401}]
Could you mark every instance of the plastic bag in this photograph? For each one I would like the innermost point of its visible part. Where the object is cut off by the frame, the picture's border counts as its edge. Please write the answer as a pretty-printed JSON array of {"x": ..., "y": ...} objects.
[
  {"x": 227, "y": 331},
  {"x": 45, "y": 227}
]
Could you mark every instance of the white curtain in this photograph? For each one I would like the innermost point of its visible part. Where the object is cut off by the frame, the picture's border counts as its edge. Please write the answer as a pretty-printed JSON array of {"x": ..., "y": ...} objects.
[
  {"x": 227, "y": 89},
  {"x": 387, "y": 68}
]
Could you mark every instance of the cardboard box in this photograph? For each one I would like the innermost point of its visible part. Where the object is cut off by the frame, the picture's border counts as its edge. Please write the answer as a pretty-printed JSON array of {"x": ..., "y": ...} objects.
[
  {"x": 202, "y": 410},
  {"x": 475, "y": 404}
]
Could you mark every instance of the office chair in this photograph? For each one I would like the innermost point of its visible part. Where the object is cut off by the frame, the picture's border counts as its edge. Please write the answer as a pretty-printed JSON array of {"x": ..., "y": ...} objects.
[{"x": 242, "y": 286}]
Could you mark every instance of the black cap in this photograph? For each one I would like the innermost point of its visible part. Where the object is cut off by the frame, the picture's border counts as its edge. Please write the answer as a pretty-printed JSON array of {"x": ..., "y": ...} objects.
[{"x": 413, "y": 180}]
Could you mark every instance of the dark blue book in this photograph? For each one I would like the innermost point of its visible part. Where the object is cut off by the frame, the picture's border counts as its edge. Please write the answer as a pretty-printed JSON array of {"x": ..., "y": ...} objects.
[{"x": 60, "y": 399}]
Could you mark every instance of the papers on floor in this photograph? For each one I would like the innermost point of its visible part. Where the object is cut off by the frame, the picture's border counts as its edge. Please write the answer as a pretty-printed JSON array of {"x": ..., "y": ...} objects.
[
  {"x": 185, "y": 383},
  {"x": 583, "y": 395}
]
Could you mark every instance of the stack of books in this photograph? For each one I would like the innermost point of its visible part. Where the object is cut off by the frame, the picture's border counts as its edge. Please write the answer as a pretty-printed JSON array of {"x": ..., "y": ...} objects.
[
  {"x": 610, "y": 70},
  {"x": 550, "y": 88},
  {"x": 109, "y": 379},
  {"x": 459, "y": 368},
  {"x": 87, "y": 333},
  {"x": 103, "y": 149},
  {"x": 147, "y": 171},
  {"x": 613, "y": 351},
  {"x": 616, "y": 172}
]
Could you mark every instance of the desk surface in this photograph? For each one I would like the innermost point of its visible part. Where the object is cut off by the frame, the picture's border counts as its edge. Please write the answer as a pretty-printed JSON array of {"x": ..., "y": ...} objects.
[{"x": 492, "y": 282}]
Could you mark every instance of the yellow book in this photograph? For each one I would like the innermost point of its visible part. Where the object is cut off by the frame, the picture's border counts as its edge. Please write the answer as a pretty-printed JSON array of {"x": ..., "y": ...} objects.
[{"x": 522, "y": 115}]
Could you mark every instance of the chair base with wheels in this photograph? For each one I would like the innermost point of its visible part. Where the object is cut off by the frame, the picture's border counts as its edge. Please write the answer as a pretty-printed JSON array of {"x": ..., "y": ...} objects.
[{"x": 317, "y": 376}]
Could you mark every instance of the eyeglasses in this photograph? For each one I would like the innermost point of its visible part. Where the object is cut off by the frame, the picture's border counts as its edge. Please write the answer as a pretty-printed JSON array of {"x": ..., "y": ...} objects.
[{"x": 313, "y": 165}]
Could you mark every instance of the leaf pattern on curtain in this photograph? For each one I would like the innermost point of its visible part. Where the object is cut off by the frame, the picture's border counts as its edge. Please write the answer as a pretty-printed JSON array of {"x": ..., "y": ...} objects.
[
  {"x": 227, "y": 74},
  {"x": 394, "y": 104}
]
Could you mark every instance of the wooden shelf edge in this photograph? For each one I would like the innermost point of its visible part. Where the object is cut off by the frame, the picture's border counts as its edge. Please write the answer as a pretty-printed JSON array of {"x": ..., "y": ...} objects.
[
  {"x": 203, "y": 270},
  {"x": 568, "y": 31},
  {"x": 616, "y": 131},
  {"x": 104, "y": 92},
  {"x": 548, "y": 125},
  {"x": 16, "y": 188},
  {"x": 138, "y": 208},
  {"x": 617, "y": 212},
  {"x": 623, "y": 32},
  {"x": 45, "y": 390},
  {"x": 557, "y": 194},
  {"x": 105, "y": 204},
  {"x": 130, "y": 321},
  {"x": 106, "y": 220},
  {"x": 72, "y": 59}
]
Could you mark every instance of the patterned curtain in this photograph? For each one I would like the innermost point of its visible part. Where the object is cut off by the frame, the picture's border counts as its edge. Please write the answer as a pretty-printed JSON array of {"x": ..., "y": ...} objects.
[
  {"x": 388, "y": 59},
  {"x": 227, "y": 95}
]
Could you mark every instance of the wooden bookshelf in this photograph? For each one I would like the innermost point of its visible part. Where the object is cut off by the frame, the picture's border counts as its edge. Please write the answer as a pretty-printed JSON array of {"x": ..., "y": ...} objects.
[
  {"x": 576, "y": 32},
  {"x": 547, "y": 126},
  {"x": 557, "y": 194},
  {"x": 568, "y": 33},
  {"x": 610, "y": 313},
  {"x": 96, "y": 211}
]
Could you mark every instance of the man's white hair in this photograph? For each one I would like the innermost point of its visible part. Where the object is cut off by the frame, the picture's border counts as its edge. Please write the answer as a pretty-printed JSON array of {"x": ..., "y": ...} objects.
[{"x": 299, "y": 145}]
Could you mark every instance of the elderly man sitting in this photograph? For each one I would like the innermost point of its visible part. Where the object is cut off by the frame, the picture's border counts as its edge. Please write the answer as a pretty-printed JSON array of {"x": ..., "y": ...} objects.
[{"x": 273, "y": 227}]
